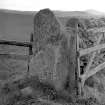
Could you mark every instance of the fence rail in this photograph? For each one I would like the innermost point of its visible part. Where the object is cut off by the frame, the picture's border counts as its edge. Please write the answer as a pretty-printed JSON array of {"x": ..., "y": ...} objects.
[
  {"x": 91, "y": 49},
  {"x": 24, "y": 44}
]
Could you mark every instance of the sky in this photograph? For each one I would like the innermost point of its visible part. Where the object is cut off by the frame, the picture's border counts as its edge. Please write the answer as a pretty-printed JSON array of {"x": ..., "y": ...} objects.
[{"x": 64, "y": 5}]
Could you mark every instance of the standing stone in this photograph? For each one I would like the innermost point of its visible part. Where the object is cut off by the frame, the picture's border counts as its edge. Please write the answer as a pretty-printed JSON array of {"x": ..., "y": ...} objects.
[
  {"x": 52, "y": 61},
  {"x": 46, "y": 26}
]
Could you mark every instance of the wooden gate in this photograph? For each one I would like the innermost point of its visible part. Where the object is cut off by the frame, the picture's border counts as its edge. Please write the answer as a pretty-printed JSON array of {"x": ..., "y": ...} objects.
[{"x": 88, "y": 72}]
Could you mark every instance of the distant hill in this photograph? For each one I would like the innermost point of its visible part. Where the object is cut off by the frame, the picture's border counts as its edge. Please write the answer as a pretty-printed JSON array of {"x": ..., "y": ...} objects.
[
  {"x": 17, "y": 25},
  {"x": 17, "y": 12},
  {"x": 87, "y": 13}
]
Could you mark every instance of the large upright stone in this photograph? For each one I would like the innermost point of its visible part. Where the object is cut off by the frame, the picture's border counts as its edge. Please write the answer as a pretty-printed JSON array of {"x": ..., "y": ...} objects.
[
  {"x": 47, "y": 35},
  {"x": 46, "y": 26},
  {"x": 52, "y": 61}
]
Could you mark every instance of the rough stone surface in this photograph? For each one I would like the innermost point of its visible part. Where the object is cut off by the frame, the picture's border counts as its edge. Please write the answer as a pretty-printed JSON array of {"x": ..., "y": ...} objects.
[
  {"x": 46, "y": 26},
  {"x": 52, "y": 61},
  {"x": 51, "y": 65}
]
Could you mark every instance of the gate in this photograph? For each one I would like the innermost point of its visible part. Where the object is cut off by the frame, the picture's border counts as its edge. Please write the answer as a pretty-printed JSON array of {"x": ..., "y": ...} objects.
[{"x": 89, "y": 71}]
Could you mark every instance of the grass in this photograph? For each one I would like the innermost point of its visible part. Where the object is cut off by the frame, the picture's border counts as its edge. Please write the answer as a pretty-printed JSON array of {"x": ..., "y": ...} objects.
[{"x": 11, "y": 94}]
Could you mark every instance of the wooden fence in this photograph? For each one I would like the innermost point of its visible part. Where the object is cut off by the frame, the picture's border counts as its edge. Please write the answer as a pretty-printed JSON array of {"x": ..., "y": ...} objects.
[{"x": 18, "y": 56}]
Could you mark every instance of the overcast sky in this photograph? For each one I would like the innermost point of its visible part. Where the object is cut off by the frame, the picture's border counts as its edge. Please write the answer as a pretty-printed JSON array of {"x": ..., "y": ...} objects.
[{"x": 65, "y": 5}]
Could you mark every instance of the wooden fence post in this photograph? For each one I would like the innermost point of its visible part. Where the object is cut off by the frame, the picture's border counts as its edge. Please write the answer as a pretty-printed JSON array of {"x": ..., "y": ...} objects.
[
  {"x": 73, "y": 72},
  {"x": 77, "y": 70},
  {"x": 30, "y": 53}
]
